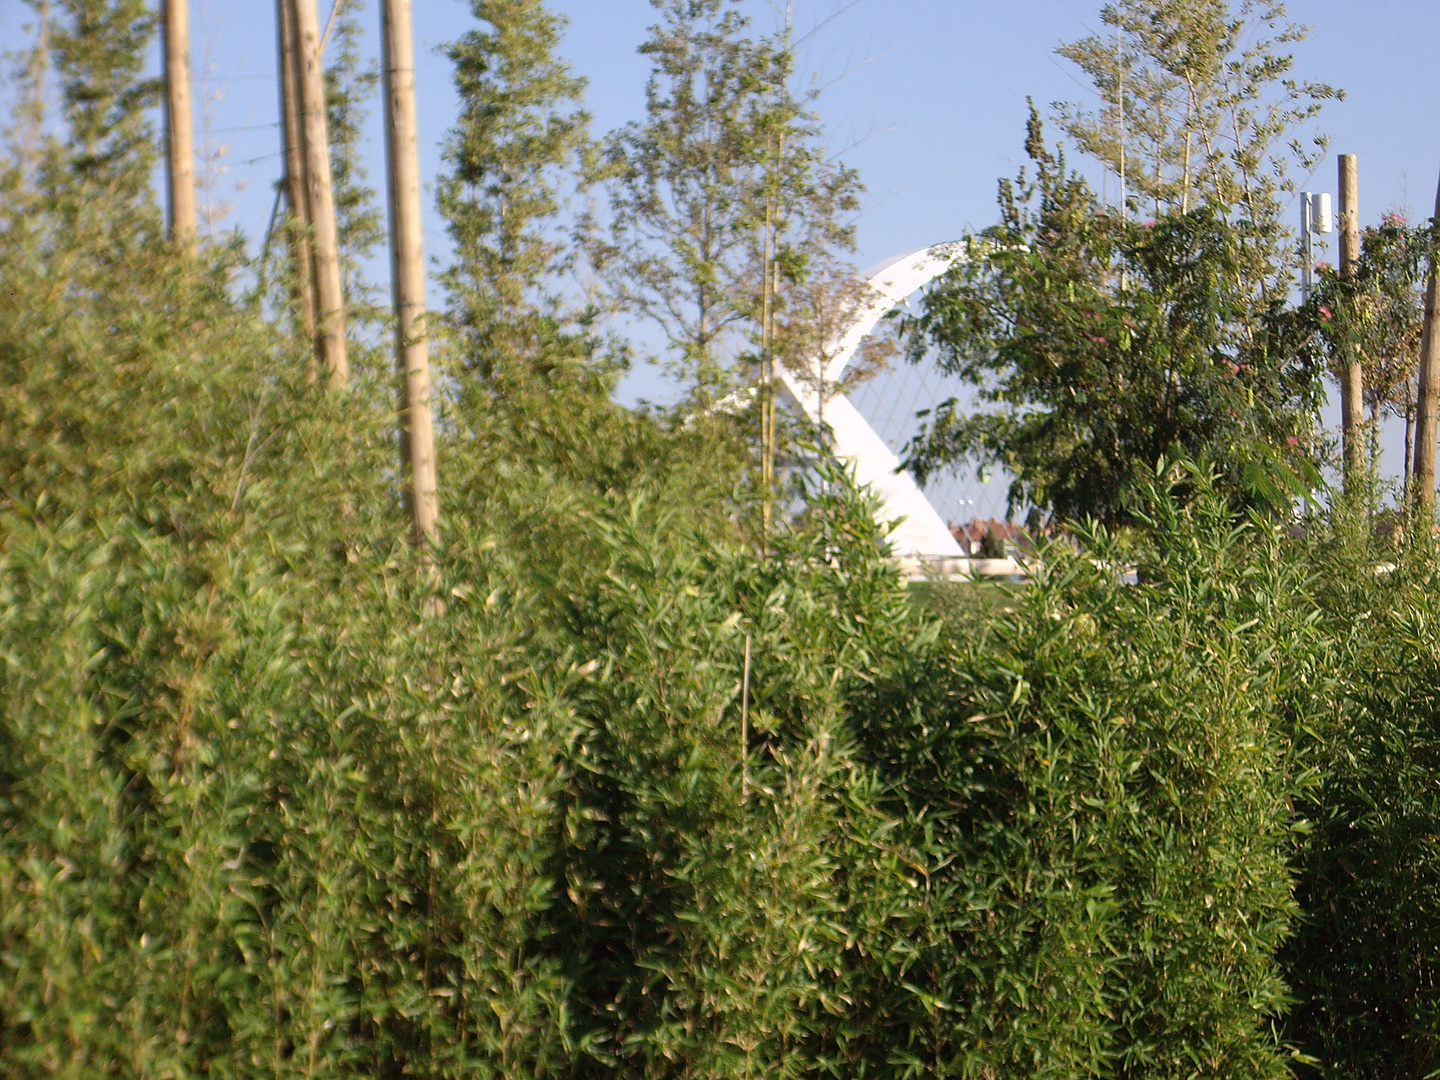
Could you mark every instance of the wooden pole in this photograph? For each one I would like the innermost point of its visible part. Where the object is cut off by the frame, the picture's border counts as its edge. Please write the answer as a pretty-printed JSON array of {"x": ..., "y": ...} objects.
[
  {"x": 320, "y": 197},
  {"x": 179, "y": 123},
  {"x": 745, "y": 725},
  {"x": 1352, "y": 387},
  {"x": 297, "y": 233},
  {"x": 1428, "y": 395},
  {"x": 407, "y": 254}
]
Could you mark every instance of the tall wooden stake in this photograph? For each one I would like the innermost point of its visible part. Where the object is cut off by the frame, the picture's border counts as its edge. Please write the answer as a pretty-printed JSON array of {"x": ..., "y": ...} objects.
[
  {"x": 179, "y": 123},
  {"x": 1428, "y": 397},
  {"x": 745, "y": 725},
  {"x": 320, "y": 197},
  {"x": 767, "y": 369},
  {"x": 298, "y": 231},
  {"x": 770, "y": 300},
  {"x": 407, "y": 254},
  {"x": 1352, "y": 387}
]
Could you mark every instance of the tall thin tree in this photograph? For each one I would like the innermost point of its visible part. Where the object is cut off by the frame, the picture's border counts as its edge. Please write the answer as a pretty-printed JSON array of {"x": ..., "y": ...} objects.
[
  {"x": 27, "y": 134},
  {"x": 330, "y": 345},
  {"x": 408, "y": 269},
  {"x": 520, "y": 143},
  {"x": 102, "y": 176},
  {"x": 1201, "y": 106}
]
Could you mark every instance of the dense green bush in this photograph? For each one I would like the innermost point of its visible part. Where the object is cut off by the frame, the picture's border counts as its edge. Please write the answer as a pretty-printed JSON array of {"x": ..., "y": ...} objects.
[
  {"x": 1097, "y": 785},
  {"x": 279, "y": 796},
  {"x": 1363, "y": 964},
  {"x": 261, "y": 814}
]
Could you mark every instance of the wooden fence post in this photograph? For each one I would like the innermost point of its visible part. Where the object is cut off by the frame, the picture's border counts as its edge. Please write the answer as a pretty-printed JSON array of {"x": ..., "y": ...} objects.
[
  {"x": 407, "y": 254},
  {"x": 1427, "y": 398},
  {"x": 297, "y": 232},
  {"x": 1352, "y": 386},
  {"x": 320, "y": 197},
  {"x": 179, "y": 124}
]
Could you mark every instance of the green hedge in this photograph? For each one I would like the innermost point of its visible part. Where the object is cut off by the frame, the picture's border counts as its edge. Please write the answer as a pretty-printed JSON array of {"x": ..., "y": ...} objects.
[
  {"x": 278, "y": 798},
  {"x": 1100, "y": 784},
  {"x": 1365, "y": 964}
]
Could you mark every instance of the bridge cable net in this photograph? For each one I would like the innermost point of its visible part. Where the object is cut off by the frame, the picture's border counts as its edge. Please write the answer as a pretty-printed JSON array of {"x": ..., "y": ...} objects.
[
  {"x": 950, "y": 519},
  {"x": 969, "y": 499}
]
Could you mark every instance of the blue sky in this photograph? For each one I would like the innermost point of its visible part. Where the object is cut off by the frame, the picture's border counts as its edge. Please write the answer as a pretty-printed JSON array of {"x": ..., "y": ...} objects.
[{"x": 925, "y": 97}]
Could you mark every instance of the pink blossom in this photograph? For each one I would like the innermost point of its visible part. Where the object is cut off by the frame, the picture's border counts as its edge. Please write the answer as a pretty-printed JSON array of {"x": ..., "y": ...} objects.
[
  {"x": 1322, "y": 266},
  {"x": 1325, "y": 313},
  {"x": 1149, "y": 223},
  {"x": 1291, "y": 440},
  {"x": 1098, "y": 340}
]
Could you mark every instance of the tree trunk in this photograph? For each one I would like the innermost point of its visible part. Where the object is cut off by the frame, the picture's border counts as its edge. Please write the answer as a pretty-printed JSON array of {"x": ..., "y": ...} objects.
[
  {"x": 320, "y": 197},
  {"x": 1352, "y": 388},
  {"x": 179, "y": 124},
  {"x": 1428, "y": 396},
  {"x": 297, "y": 232},
  {"x": 412, "y": 353}
]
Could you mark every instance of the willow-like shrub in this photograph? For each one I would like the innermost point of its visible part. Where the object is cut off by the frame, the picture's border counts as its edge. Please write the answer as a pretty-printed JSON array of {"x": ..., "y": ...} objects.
[
  {"x": 1097, "y": 785},
  {"x": 1362, "y": 965},
  {"x": 280, "y": 797}
]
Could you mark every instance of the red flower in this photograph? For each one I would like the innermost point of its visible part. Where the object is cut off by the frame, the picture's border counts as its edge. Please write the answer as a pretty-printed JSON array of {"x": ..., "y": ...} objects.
[{"x": 1291, "y": 440}]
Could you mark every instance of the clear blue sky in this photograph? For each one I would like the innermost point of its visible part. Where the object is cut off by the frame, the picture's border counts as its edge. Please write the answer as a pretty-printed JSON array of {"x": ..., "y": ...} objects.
[
  {"x": 926, "y": 97},
  {"x": 931, "y": 93}
]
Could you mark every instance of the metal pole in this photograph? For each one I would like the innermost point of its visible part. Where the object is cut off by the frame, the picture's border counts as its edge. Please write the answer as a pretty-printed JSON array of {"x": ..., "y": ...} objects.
[{"x": 1307, "y": 237}]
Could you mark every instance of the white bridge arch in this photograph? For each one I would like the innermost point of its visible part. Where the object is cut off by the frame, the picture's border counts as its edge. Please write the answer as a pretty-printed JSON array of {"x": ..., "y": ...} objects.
[{"x": 919, "y": 532}]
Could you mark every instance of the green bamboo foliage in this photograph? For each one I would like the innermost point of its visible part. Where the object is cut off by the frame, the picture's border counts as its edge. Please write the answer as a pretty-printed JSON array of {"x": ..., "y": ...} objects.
[
  {"x": 99, "y": 50},
  {"x": 257, "y": 820},
  {"x": 633, "y": 800},
  {"x": 1098, "y": 784},
  {"x": 1362, "y": 963}
]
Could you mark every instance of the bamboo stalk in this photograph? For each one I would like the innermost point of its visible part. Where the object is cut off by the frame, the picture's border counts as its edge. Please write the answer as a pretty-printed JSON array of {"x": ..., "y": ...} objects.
[
  {"x": 330, "y": 346},
  {"x": 179, "y": 124},
  {"x": 407, "y": 254}
]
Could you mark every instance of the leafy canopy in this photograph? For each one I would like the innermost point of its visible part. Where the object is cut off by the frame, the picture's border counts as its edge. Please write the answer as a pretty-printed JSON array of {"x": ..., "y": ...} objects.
[{"x": 1103, "y": 346}]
